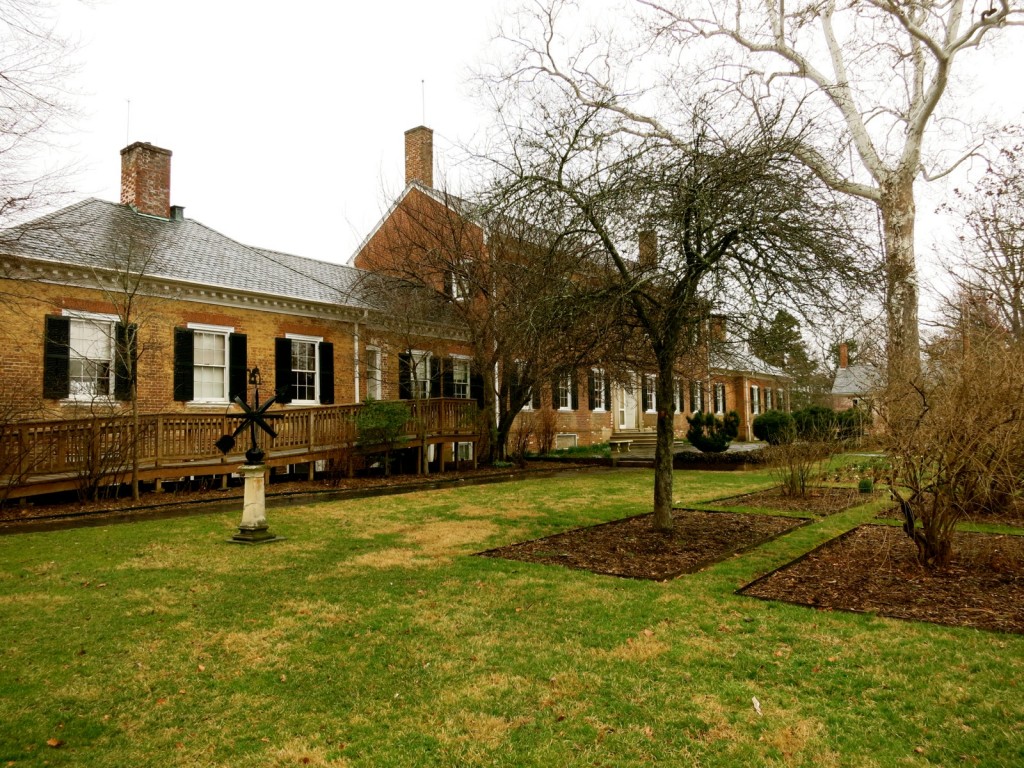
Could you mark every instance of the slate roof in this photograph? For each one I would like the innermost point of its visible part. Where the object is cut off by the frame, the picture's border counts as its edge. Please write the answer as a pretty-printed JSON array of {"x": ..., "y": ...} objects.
[
  {"x": 856, "y": 380},
  {"x": 88, "y": 234},
  {"x": 738, "y": 358}
]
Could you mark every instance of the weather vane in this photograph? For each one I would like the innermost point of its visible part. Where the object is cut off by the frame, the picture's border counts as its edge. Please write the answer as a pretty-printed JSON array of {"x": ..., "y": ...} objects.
[{"x": 255, "y": 416}]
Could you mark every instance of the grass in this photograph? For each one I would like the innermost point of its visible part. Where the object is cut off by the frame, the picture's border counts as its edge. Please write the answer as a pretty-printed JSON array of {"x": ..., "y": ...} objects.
[{"x": 371, "y": 638}]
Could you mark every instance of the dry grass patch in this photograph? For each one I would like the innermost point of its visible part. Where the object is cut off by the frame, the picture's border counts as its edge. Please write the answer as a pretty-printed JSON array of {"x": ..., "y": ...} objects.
[
  {"x": 480, "y": 729},
  {"x": 299, "y": 752},
  {"x": 36, "y": 601},
  {"x": 644, "y": 647}
]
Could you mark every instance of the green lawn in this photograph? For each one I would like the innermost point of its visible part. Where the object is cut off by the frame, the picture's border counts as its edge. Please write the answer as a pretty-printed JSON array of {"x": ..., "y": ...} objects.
[{"x": 371, "y": 638}]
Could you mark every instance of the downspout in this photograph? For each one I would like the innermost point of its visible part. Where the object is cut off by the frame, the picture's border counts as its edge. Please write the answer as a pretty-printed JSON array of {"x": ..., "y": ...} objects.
[{"x": 355, "y": 358}]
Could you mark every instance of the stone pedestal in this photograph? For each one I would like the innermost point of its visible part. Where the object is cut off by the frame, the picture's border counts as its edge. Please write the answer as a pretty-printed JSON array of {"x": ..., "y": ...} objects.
[{"x": 254, "y": 529}]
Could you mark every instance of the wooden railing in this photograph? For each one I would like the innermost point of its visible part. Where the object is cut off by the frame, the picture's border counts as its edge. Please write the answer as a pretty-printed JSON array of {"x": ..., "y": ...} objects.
[{"x": 32, "y": 451}]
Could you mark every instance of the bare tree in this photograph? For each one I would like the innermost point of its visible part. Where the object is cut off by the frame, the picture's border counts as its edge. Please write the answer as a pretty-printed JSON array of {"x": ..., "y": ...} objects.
[
  {"x": 508, "y": 285},
  {"x": 989, "y": 271},
  {"x": 34, "y": 69},
  {"x": 869, "y": 75},
  {"x": 735, "y": 215}
]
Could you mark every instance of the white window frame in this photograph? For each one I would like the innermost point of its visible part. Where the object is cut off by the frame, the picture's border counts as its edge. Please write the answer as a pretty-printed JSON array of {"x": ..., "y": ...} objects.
[
  {"x": 696, "y": 403},
  {"x": 599, "y": 390},
  {"x": 651, "y": 387},
  {"x": 458, "y": 279},
  {"x": 419, "y": 388},
  {"x": 463, "y": 452},
  {"x": 768, "y": 404},
  {"x": 95, "y": 319},
  {"x": 464, "y": 362},
  {"x": 225, "y": 331},
  {"x": 565, "y": 392},
  {"x": 315, "y": 341},
  {"x": 719, "y": 395},
  {"x": 374, "y": 372},
  {"x": 755, "y": 399}
]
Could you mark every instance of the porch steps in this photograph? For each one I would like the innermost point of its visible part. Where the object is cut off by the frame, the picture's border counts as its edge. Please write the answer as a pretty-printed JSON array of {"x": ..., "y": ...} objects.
[{"x": 639, "y": 441}]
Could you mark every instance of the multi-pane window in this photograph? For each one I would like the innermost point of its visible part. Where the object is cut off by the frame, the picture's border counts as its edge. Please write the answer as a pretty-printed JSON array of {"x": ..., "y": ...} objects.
[
  {"x": 696, "y": 397},
  {"x": 463, "y": 451},
  {"x": 565, "y": 392},
  {"x": 91, "y": 358},
  {"x": 780, "y": 399},
  {"x": 460, "y": 378},
  {"x": 599, "y": 389},
  {"x": 304, "y": 371},
  {"x": 767, "y": 398},
  {"x": 755, "y": 399},
  {"x": 419, "y": 371},
  {"x": 210, "y": 365},
  {"x": 373, "y": 373},
  {"x": 719, "y": 398},
  {"x": 651, "y": 392}
]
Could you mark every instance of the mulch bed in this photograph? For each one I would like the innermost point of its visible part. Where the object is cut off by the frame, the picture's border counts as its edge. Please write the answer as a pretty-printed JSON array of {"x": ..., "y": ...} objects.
[
  {"x": 1010, "y": 516},
  {"x": 818, "y": 501},
  {"x": 873, "y": 568},
  {"x": 632, "y": 549}
]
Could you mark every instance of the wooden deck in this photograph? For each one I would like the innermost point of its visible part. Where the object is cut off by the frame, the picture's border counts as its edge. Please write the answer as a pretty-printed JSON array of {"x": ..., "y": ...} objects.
[{"x": 46, "y": 456}]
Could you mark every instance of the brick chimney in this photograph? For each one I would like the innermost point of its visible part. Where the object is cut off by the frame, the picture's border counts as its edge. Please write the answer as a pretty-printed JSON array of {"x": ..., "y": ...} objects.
[
  {"x": 146, "y": 179},
  {"x": 648, "y": 255},
  {"x": 419, "y": 156},
  {"x": 718, "y": 328},
  {"x": 844, "y": 356}
]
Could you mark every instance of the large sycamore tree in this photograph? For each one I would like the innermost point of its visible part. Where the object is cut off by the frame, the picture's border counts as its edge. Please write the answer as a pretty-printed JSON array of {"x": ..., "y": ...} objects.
[
  {"x": 870, "y": 76},
  {"x": 726, "y": 212}
]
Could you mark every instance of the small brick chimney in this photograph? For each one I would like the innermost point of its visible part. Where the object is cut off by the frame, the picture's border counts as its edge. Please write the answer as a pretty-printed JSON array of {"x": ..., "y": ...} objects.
[
  {"x": 419, "y": 156},
  {"x": 146, "y": 179},
  {"x": 844, "y": 356},
  {"x": 718, "y": 328},
  {"x": 648, "y": 255}
]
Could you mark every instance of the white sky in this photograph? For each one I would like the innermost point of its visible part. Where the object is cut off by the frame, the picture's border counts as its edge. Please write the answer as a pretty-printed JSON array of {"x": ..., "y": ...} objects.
[{"x": 286, "y": 120}]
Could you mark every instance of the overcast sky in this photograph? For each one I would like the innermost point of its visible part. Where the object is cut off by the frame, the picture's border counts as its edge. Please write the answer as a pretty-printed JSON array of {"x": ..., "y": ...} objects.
[{"x": 286, "y": 120}]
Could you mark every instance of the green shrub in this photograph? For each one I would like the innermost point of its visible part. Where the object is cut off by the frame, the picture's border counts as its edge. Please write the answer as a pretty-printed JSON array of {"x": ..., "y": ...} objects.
[
  {"x": 710, "y": 434},
  {"x": 866, "y": 485},
  {"x": 816, "y": 423},
  {"x": 775, "y": 427},
  {"x": 851, "y": 423},
  {"x": 382, "y": 424}
]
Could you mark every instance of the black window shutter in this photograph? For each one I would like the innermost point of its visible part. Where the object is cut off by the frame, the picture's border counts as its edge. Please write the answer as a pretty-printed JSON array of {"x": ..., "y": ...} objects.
[
  {"x": 574, "y": 394},
  {"x": 535, "y": 397},
  {"x": 283, "y": 384},
  {"x": 56, "y": 353},
  {"x": 607, "y": 392},
  {"x": 447, "y": 378},
  {"x": 404, "y": 376},
  {"x": 325, "y": 368},
  {"x": 645, "y": 401},
  {"x": 515, "y": 384},
  {"x": 435, "y": 376},
  {"x": 184, "y": 354},
  {"x": 125, "y": 336},
  {"x": 554, "y": 392},
  {"x": 238, "y": 362},
  {"x": 591, "y": 397}
]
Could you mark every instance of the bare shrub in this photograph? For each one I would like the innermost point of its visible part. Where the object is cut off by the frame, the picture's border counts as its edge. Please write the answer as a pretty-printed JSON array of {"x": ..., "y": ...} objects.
[
  {"x": 521, "y": 436},
  {"x": 956, "y": 436},
  {"x": 545, "y": 429}
]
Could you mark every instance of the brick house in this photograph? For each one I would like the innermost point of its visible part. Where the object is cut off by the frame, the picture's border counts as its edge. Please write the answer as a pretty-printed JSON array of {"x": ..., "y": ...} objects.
[
  {"x": 97, "y": 284},
  {"x": 579, "y": 406}
]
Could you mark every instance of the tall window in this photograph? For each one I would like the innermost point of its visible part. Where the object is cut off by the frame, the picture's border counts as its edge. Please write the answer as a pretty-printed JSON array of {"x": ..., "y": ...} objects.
[
  {"x": 651, "y": 393},
  {"x": 696, "y": 397},
  {"x": 565, "y": 392},
  {"x": 210, "y": 365},
  {"x": 420, "y": 375},
  {"x": 304, "y": 376},
  {"x": 374, "y": 380},
  {"x": 755, "y": 399},
  {"x": 91, "y": 358},
  {"x": 767, "y": 398},
  {"x": 720, "y": 398},
  {"x": 780, "y": 399},
  {"x": 600, "y": 390},
  {"x": 460, "y": 378}
]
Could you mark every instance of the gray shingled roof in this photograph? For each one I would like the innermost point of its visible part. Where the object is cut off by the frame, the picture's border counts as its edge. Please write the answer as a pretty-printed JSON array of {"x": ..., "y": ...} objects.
[
  {"x": 736, "y": 357},
  {"x": 856, "y": 380},
  {"x": 92, "y": 232}
]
